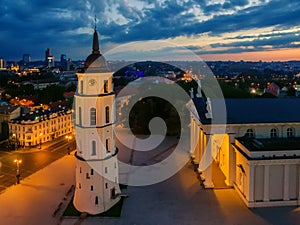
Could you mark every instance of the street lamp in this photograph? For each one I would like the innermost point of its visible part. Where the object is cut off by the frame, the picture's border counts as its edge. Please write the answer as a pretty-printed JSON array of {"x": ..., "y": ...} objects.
[
  {"x": 68, "y": 138},
  {"x": 18, "y": 175},
  {"x": 15, "y": 140},
  {"x": 40, "y": 145}
]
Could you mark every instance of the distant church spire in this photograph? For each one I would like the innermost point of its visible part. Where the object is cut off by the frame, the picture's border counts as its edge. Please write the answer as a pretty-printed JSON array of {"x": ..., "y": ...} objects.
[{"x": 95, "y": 40}]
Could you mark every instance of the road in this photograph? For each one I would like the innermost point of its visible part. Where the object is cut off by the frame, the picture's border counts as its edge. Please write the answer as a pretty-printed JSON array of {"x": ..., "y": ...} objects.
[{"x": 33, "y": 160}]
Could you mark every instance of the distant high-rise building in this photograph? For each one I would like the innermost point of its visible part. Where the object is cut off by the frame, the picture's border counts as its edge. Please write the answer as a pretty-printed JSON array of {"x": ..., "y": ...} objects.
[
  {"x": 63, "y": 58},
  {"x": 2, "y": 63},
  {"x": 49, "y": 58},
  {"x": 26, "y": 58}
]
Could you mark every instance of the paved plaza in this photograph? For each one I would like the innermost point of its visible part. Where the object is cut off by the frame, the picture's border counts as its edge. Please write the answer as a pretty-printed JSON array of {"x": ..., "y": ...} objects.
[{"x": 42, "y": 197}]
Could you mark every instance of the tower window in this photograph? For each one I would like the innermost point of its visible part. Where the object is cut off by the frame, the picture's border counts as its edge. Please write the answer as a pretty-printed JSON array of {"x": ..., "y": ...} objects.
[
  {"x": 96, "y": 200},
  {"x": 93, "y": 147},
  {"x": 105, "y": 86},
  {"x": 80, "y": 116},
  {"x": 250, "y": 133},
  {"x": 92, "y": 172},
  {"x": 92, "y": 187},
  {"x": 106, "y": 185},
  {"x": 79, "y": 185},
  {"x": 87, "y": 176},
  {"x": 93, "y": 117},
  {"x": 107, "y": 114},
  {"x": 105, "y": 169},
  {"x": 81, "y": 86},
  {"x": 107, "y": 145},
  {"x": 290, "y": 132},
  {"x": 273, "y": 133},
  {"x": 80, "y": 170}
]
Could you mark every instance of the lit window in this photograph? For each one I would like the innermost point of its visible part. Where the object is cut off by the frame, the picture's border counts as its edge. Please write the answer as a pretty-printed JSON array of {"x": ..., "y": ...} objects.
[
  {"x": 250, "y": 133},
  {"x": 273, "y": 133},
  {"x": 290, "y": 132},
  {"x": 93, "y": 116}
]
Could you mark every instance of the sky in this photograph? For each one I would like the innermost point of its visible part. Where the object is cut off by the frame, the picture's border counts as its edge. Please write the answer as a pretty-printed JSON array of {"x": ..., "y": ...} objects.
[{"x": 267, "y": 30}]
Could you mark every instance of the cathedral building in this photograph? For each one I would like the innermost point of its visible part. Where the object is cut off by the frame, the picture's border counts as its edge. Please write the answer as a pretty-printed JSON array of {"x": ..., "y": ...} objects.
[
  {"x": 258, "y": 154},
  {"x": 97, "y": 187}
]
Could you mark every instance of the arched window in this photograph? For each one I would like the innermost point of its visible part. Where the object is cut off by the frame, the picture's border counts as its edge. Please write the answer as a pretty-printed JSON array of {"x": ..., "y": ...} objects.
[
  {"x": 250, "y": 133},
  {"x": 290, "y": 132},
  {"x": 93, "y": 147},
  {"x": 107, "y": 145},
  {"x": 80, "y": 116},
  {"x": 81, "y": 86},
  {"x": 107, "y": 114},
  {"x": 92, "y": 116},
  {"x": 105, "y": 86},
  {"x": 96, "y": 200},
  {"x": 273, "y": 133}
]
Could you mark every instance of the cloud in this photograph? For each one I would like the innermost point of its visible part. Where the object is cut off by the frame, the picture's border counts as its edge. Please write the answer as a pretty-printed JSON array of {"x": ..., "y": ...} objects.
[{"x": 66, "y": 26}]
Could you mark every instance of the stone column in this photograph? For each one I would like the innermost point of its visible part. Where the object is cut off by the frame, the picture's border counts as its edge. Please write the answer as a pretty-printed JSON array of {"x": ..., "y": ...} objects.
[
  {"x": 197, "y": 147},
  {"x": 251, "y": 183},
  {"x": 208, "y": 161},
  {"x": 231, "y": 162},
  {"x": 286, "y": 183},
  {"x": 298, "y": 176},
  {"x": 192, "y": 137},
  {"x": 266, "y": 183}
]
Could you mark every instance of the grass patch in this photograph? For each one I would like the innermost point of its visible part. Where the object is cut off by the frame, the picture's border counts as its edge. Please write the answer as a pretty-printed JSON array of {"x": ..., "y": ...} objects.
[{"x": 114, "y": 211}]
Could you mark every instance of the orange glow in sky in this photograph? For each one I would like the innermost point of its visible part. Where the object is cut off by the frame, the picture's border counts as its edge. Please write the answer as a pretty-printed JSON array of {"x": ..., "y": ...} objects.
[{"x": 275, "y": 55}]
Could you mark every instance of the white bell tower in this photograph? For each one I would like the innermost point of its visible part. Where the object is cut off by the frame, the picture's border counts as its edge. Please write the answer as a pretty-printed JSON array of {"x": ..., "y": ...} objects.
[{"x": 97, "y": 182}]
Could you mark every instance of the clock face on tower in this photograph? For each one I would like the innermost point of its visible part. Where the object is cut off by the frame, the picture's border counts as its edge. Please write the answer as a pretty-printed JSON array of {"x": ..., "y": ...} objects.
[{"x": 92, "y": 82}]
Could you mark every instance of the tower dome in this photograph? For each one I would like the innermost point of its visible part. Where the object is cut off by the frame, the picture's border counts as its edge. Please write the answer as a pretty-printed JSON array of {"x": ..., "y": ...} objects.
[{"x": 95, "y": 61}]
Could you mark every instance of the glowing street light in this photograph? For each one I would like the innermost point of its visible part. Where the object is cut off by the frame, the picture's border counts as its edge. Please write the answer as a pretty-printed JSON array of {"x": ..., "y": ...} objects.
[
  {"x": 18, "y": 175},
  {"x": 15, "y": 140},
  {"x": 68, "y": 137}
]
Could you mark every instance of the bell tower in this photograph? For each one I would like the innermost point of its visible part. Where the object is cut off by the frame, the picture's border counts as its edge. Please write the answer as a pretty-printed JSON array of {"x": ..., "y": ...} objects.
[{"x": 97, "y": 182}]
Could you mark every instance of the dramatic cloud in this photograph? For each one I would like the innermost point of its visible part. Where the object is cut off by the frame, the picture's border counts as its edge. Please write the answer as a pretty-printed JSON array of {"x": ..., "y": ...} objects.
[{"x": 204, "y": 26}]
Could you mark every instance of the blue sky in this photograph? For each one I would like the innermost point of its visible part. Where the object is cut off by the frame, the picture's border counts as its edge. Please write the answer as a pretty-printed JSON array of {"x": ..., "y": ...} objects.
[{"x": 215, "y": 29}]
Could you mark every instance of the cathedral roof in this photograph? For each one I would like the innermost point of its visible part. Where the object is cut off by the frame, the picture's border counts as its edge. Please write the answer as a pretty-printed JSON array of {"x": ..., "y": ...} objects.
[
  {"x": 95, "y": 62},
  {"x": 252, "y": 110}
]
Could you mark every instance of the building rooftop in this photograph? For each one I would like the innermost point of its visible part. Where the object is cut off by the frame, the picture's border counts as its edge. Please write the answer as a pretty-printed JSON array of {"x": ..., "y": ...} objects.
[
  {"x": 252, "y": 110},
  {"x": 270, "y": 144},
  {"x": 40, "y": 115},
  {"x": 7, "y": 109}
]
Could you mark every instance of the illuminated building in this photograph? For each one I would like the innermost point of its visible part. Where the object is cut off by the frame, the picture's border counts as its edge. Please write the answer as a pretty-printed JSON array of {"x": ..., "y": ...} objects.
[
  {"x": 259, "y": 153},
  {"x": 2, "y": 63},
  {"x": 97, "y": 188},
  {"x": 49, "y": 58},
  {"x": 41, "y": 126}
]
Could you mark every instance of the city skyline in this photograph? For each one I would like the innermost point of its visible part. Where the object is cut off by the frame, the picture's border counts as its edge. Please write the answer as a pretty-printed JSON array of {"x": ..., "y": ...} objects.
[{"x": 249, "y": 30}]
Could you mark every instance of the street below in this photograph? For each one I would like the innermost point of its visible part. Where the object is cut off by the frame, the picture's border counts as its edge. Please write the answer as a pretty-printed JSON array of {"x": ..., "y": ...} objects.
[{"x": 29, "y": 161}]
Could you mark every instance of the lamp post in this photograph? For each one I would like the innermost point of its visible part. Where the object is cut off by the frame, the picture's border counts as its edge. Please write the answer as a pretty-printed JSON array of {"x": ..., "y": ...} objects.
[
  {"x": 68, "y": 138},
  {"x": 18, "y": 175},
  {"x": 40, "y": 144},
  {"x": 15, "y": 140}
]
